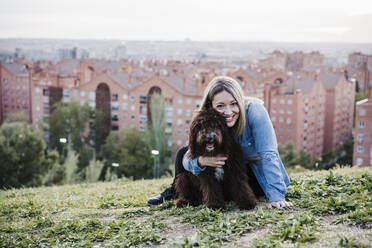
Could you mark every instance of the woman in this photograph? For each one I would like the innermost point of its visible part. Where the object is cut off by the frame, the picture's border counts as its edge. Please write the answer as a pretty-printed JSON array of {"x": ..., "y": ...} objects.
[{"x": 253, "y": 131}]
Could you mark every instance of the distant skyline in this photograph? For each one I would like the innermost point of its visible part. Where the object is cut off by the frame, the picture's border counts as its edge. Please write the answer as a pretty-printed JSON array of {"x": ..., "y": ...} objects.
[{"x": 199, "y": 20}]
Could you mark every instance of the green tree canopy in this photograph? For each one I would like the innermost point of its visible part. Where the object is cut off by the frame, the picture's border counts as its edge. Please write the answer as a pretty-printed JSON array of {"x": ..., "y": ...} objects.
[
  {"x": 22, "y": 156},
  {"x": 291, "y": 158},
  {"x": 127, "y": 148},
  {"x": 70, "y": 121}
]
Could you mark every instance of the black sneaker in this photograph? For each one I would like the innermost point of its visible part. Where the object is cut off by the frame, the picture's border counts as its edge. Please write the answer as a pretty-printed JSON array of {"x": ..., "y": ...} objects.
[{"x": 165, "y": 196}]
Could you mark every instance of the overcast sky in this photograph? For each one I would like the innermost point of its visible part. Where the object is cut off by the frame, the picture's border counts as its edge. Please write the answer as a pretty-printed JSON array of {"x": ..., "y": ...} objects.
[{"x": 201, "y": 20}]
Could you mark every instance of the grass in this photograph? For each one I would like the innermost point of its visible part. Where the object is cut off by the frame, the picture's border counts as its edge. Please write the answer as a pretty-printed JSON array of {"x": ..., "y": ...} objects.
[{"x": 332, "y": 209}]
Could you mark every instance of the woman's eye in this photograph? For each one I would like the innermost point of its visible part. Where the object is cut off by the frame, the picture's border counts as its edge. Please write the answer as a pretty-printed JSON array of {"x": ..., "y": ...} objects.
[
  {"x": 219, "y": 106},
  {"x": 234, "y": 104}
]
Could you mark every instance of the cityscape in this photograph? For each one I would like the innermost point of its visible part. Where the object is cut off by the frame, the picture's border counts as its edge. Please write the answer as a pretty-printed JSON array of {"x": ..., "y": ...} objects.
[{"x": 309, "y": 94}]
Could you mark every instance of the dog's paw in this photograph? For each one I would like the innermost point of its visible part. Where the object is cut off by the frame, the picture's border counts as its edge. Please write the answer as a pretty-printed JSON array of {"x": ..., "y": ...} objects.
[
  {"x": 181, "y": 202},
  {"x": 247, "y": 205}
]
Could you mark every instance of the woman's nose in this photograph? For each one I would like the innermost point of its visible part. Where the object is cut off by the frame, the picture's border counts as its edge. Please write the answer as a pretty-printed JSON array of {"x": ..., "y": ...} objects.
[{"x": 227, "y": 110}]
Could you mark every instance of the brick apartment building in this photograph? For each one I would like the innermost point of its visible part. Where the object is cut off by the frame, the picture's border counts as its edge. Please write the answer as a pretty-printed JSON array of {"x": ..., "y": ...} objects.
[
  {"x": 312, "y": 110},
  {"x": 296, "y": 106},
  {"x": 339, "y": 111},
  {"x": 15, "y": 88},
  {"x": 359, "y": 66},
  {"x": 362, "y": 155}
]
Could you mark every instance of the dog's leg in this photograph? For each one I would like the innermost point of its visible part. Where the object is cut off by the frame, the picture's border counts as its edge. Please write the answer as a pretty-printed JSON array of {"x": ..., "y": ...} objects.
[
  {"x": 186, "y": 191},
  {"x": 240, "y": 192},
  {"x": 211, "y": 191}
]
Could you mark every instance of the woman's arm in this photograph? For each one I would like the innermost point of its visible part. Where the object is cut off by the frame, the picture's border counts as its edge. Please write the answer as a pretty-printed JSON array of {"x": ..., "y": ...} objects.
[
  {"x": 197, "y": 165},
  {"x": 270, "y": 172}
]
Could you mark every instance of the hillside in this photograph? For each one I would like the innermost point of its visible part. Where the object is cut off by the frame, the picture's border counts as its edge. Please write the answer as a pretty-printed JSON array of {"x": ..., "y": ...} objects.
[{"x": 332, "y": 209}]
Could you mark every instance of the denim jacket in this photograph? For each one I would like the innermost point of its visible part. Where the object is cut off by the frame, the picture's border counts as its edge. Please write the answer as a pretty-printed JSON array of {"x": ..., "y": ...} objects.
[{"x": 260, "y": 149}]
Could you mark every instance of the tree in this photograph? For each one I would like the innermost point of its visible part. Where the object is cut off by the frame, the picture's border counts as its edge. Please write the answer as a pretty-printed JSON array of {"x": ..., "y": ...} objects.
[
  {"x": 291, "y": 158},
  {"x": 342, "y": 156},
  {"x": 69, "y": 120},
  {"x": 127, "y": 148},
  {"x": 101, "y": 128},
  {"x": 23, "y": 160},
  {"x": 156, "y": 137}
]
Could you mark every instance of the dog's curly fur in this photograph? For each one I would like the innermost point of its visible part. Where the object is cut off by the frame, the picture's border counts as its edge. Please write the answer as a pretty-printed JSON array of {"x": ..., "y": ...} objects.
[{"x": 209, "y": 130}]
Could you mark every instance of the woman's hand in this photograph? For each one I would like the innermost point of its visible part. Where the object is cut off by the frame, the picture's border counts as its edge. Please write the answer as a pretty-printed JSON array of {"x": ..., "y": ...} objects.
[
  {"x": 279, "y": 204},
  {"x": 218, "y": 161}
]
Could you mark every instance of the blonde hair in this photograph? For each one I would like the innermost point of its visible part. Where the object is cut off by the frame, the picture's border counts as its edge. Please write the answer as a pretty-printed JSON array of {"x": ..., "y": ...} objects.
[{"x": 230, "y": 85}]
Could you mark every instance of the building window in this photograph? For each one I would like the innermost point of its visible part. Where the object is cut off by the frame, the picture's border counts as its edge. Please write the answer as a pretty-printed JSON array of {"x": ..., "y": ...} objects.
[
  {"x": 179, "y": 101},
  {"x": 179, "y": 122},
  {"x": 362, "y": 112},
  {"x": 289, "y": 111},
  {"x": 289, "y": 120},
  {"x": 281, "y": 119},
  {"x": 132, "y": 117},
  {"x": 289, "y": 101},
  {"x": 125, "y": 106},
  {"x": 125, "y": 96},
  {"x": 132, "y": 98},
  {"x": 359, "y": 161},
  {"x": 362, "y": 124},
  {"x": 360, "y": 149},
  {"x": 143, "y": 110},
  {"x": 360, "y": 138},
  {"x": 188, "y": 101},
  {"x": 273, "y": 119},
  {"x": 273, "y": 110},
  {"x": 132, "y": 107},
  {"x": 66, "y": 93},
  {"x": 115, "y": 97},
  {"x": 115, "y": 117},
  {"x": 92, "y": 95},
  {"x": 179, "y": 142},
  {"x": 46, "y": 110},
  {"x": 179, "y": 111},
  {"x": 143, "y": 99},
  {"x": 281, "y": 101},
  {"x": 82, "y": 93},
  {"x": 273, "y": 100},
  {"x": 115, "y": 107},
  {"x": 281, "y": 111},
  {"x": 45, "y": 92}
]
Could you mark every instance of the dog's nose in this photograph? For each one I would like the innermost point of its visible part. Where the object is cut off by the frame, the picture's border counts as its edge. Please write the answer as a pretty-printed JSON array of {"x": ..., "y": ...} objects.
[{"x": 210, "y": 136}]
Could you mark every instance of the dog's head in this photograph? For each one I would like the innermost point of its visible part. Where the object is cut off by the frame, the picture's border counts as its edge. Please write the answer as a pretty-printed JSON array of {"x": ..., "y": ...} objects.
[{"x": 207, "y": 135}]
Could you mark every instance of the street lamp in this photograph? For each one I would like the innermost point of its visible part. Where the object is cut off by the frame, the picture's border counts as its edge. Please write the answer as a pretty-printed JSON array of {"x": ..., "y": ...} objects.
[
  {"x": 116, "y": 165},
  {"x": 155, "y": 153},
  {"x": 63, "y": 141}
]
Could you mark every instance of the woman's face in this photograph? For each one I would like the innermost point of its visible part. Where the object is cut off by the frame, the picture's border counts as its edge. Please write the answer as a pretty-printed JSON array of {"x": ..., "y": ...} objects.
[{"x": 226, "y": 104}]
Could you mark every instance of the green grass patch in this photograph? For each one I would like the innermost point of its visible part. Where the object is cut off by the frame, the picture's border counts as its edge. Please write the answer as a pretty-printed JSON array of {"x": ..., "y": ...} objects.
[{"x": 114, "y": 214}]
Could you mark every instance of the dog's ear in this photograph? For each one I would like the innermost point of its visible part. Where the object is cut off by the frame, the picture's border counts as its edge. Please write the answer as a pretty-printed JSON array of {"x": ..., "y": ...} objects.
[{"x": 193, "y": 131}]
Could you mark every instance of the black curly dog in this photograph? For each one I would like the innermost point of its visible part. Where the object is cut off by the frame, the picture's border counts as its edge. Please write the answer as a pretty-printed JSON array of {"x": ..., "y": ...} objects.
[{"x": 210, "y": 136}]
